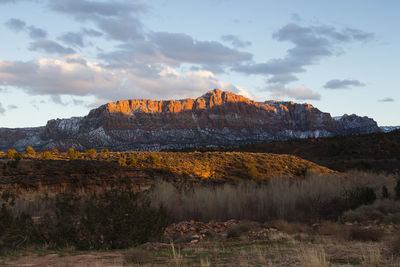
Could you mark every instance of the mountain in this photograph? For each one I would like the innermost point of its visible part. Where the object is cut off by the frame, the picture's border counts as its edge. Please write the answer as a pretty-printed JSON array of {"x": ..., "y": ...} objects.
[
  {"x": 387, "y": 129},
  {"x": 217, "y": 118}
]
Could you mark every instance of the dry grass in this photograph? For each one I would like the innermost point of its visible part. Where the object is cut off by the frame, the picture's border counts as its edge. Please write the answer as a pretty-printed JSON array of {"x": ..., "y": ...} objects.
[
  {"x": 307, "y": 199},
  {"x": 371, "y": 257},
  {"x": 312, "y": 257}
]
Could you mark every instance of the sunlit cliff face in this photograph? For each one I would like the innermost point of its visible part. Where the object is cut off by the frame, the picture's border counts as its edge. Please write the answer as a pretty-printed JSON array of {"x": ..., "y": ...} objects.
[{"x": 207, "y": 101}]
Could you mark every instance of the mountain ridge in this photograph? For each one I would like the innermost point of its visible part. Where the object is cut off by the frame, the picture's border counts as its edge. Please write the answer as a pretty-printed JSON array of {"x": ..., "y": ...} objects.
[{"x": 217, "y": 118}]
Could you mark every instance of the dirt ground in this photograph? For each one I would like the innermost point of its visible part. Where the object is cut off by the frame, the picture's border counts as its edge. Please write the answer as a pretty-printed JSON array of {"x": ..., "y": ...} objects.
[{"x": 236, "y": 243}]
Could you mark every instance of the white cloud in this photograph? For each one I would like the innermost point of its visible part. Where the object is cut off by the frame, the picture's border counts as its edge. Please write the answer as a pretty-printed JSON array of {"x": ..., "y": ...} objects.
[
  {"x": 298, "y": 93},
  {"x": 54, "y": 77}
]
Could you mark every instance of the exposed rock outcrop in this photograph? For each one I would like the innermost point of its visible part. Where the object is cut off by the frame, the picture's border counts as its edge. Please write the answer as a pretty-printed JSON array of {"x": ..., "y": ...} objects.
[{"x": 217, "y": 118}]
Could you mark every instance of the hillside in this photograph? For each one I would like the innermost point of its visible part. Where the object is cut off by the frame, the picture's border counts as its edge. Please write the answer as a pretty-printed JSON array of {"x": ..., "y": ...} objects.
[
  {"x": 143, "y": 168},
  {"x": 376, "y": 151}
]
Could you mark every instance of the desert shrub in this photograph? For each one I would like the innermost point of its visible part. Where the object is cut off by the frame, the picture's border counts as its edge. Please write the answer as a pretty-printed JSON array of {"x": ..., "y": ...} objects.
[
  {"x": 360, "y": 234},
  {"x": 16, "y": 231},
  {"x": 331, "y": 229},
  {"x": 11, "y": 153},
  {"x": 73, "y": 154},
  {"x": 133, "y": 162},
  {"x": 385, "y": 192},
  {"x": 289, "y": 227},
  {"x": 30, "y": 151},
  {"x": 240, "y": 228},
  {"x": 137, "y": 256},
  {"x": 394, "y": 245},
  {"x": 122, "y": 161},
  {"x": 252, "y": 171},
  {"x": 91, "y": 152},
  {"x": 46, "y": 155},
  {"x": 397, "y": 189},
  {"x": 154, "y": 159},
  {"x": 393, "y": 218},
  {"x": 380, "y": 210},
  {"x": 114, "y": 219}
]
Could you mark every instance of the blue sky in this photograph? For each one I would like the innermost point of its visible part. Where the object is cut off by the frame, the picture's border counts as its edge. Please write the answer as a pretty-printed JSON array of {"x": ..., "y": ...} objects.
[{"x": 61, "y": 58}]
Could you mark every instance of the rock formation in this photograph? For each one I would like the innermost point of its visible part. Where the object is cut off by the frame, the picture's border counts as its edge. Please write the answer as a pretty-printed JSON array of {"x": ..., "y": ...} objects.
[{"x": 217, "y": 118}]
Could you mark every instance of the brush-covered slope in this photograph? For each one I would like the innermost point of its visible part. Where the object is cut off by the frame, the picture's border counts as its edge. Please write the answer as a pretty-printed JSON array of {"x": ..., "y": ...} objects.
[
  {"x": 143, "y": 168},
  {"x": 217, "y": 118}
]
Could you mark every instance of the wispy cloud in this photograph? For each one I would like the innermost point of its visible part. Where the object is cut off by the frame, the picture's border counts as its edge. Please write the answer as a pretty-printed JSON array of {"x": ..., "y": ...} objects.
[
  {"x": 18, "y": 25},
  {"x": 386, "y": 99},
  {"x": 235, "y": 41},
  {"x": 311, "y": 44},
  {"x": 50, "y": 47},
  {"x": 297, "y": 93},
  {"x": 342, "y": 84}
]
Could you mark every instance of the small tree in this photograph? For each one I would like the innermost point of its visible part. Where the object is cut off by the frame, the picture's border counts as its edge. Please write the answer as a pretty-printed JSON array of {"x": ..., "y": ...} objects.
[
  {"x": 132, "y": 162},
  {"x": 55, "y": 151},
  {"x": 30, "y": 151},
  {"x": 91, "y": 152},
  {"x": 46, "y": 155},
  {"x": 12, "y": 153},
  {"x": 72, "y": 154},
  {"x": 252, "y": 171},
  {"x": 122, "y": 161},
  {"x": 154, "y": 159},
  {"x": 105, "y": 150}
]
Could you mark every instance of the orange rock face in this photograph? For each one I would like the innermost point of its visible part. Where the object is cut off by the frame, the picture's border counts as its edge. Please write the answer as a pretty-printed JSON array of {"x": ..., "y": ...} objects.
[{"x": 210, "y": 100}]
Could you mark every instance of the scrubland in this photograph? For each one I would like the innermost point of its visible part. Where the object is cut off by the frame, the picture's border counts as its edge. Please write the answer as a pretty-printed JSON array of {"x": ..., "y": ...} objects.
[{"x": 226, "y": 209}]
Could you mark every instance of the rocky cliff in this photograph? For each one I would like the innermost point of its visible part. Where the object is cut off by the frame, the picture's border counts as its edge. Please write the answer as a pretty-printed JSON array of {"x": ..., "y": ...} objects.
[{"x": 217, "y": 118}]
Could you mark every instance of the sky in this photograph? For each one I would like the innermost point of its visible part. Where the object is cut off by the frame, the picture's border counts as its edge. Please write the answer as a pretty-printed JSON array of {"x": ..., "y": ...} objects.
[{"x": 62, "y": 58}]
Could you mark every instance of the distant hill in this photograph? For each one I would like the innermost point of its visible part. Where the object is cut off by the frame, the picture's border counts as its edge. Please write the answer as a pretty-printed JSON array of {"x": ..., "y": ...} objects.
[
  {"x": 217, "y": 118},
  {"x": 144, "y": 168},
  {"x": 376, "y": 151}
]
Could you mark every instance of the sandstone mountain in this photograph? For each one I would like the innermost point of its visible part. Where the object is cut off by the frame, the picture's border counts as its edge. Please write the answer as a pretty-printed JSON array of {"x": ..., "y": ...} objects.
[{"x": 217, "y": 118}]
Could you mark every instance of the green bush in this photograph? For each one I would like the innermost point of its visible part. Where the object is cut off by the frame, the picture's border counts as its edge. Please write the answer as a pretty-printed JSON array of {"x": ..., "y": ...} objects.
[{"x": 112, "y": 220}]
